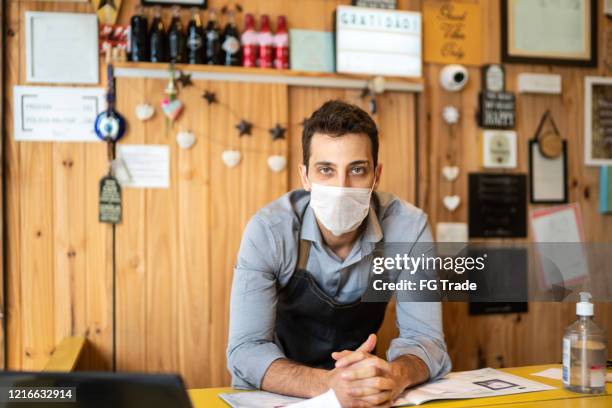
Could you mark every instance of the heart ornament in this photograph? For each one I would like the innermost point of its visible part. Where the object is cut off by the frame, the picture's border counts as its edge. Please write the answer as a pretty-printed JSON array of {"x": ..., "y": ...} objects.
[
  {"x": 172, "y": 109},
  {"x": 144, "y": 112},
  {"x": 185, "y": 139},
  {"x": 451, "y": 202},
  {"x": 450, "y": 172},
  {"x": 277, "y": 163},
  {"x": 231, "y": 158}
]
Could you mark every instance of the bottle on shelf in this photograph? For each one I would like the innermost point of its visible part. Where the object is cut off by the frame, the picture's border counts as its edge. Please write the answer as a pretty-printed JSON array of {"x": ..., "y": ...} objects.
[
  {"x": 265, "y": 37},
  {"x": 232, "y": 56},
  {"x": 214, "y": 54},
  {"x": 281, "y": 44},
  {"x": 250, "y": 46},
  {"x": 158, "y": 40},
  {"x": 195, "y": 38},
  {"x": 584, "y": 352},
  {"x": 176, "y": 37},
  {"x": 139, "y": 36}
]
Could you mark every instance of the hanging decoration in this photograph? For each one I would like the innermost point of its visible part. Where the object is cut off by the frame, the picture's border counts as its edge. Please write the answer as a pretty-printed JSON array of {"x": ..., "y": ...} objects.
[
  {"x": 277, "y": 163},
  {"x": 244, "y": 127},
  {"x": 171, "y": 106},
  {"x": 450, "y": 114},
  {"x": 374, "y": 86},
  {"x": 210, "y": 97},
  {"x": 277, "y": 132},
  {"x": 110, "y": 127},
  {"x": 451, "y": 202},
  {"x": 144, "y": 112},
  {"x": 450, "y": 173},
  {"x": 184, "y": 79},
  {"x": 185, "y": 140},
  {"x": 231, "y": 158}
]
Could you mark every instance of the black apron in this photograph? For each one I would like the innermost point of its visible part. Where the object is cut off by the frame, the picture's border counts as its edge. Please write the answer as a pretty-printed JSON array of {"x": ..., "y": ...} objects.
[{"x": 310, "y": 325}]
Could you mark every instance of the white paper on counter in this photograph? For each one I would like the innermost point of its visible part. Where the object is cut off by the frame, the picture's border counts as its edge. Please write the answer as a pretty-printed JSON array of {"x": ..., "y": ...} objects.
[{"x": 557, "y": 373}]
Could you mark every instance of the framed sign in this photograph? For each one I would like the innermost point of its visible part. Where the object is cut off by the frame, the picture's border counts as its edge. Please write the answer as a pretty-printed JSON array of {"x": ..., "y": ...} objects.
[
  {"x": 569, "y": 36},
  {"x": 547, "y": 176},
  {"x": 497, "y": 110},
  {"x": 378, "y": 42},
  {"x": 49, "y": 59},
  {"x": 497, "y": 205},
  {"x": 182, "y": 3},
  {"x": 453, "y": 32},
  {"x": 598, "y": 121}
]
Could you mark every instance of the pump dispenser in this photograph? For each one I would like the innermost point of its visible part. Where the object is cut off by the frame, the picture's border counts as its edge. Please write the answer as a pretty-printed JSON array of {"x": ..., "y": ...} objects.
[{"x": 584, "y": 352}]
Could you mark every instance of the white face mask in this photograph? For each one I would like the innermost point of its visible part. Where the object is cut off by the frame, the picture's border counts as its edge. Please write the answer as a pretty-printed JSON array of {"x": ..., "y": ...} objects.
[{"x": 340, "y": 209}]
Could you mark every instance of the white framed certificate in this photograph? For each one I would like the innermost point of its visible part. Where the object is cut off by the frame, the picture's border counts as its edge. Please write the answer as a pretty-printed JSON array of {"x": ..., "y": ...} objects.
[{"x": 61, "y": 48}]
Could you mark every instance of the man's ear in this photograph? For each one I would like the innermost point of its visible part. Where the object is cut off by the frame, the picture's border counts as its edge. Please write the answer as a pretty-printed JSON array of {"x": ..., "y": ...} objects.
[
  {"x": 304, "y": 177},
  {"x": 378, "y": 173}
]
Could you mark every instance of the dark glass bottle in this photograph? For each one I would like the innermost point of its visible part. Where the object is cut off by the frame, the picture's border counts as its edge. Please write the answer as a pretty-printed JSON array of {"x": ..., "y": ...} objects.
[
  {"x": 158, "y": 40},
  {"x": 195, "y": 38},
  {"x": 176, "y": 37},
  {"x": 214, "y": 55},
  {"x": 139, "y": 37},
  {"x": 232, "y": 55}
]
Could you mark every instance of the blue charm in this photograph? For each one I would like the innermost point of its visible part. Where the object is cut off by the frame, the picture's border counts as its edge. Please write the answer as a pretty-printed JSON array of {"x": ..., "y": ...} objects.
[{"x": 110, "y": 125}]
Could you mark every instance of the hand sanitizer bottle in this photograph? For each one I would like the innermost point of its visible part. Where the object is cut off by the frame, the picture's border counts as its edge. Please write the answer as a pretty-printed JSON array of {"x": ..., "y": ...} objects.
[{"x": 584, "y": 352}]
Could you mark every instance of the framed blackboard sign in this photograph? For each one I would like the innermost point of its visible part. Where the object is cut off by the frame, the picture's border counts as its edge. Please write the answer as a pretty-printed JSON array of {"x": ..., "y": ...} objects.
[
  {"x": 497, "y": 205},
  {"x": 497, "y": 110}
]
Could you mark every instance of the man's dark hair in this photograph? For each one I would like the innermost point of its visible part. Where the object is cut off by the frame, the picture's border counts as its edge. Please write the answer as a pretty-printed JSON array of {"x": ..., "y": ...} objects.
[{"x": 338, "y": 118}]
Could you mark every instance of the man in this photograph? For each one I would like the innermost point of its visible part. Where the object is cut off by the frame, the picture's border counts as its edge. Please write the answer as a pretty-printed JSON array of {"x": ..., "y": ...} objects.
[{"x": 297, "y": 325}]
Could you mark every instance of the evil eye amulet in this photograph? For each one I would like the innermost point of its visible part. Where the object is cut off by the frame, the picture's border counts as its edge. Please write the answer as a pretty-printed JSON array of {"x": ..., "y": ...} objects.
[{"x": 110, "y": 127}]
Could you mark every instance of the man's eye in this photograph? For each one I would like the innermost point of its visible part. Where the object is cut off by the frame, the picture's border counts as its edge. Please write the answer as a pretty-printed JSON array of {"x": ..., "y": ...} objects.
[
  {"x": 358, "y": 170},
  {"x": 325, "y": 170}
]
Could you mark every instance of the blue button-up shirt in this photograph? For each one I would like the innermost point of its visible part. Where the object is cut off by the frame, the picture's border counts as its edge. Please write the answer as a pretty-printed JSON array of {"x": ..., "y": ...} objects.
[{"x": 268, "y": 257}]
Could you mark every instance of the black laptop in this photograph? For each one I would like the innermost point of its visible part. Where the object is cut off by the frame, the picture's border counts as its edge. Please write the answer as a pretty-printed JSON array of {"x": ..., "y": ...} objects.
[{"x": 92, "y": 390}]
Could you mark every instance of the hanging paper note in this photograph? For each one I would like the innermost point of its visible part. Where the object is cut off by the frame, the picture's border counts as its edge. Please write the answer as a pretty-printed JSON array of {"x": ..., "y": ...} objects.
[{"x": 147, "y": 165}]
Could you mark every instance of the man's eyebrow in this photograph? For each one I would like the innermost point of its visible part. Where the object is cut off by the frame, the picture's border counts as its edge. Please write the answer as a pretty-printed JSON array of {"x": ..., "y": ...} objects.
[
  {"x": 356, "y": 162},
  {"x": 324, "y": 163}
]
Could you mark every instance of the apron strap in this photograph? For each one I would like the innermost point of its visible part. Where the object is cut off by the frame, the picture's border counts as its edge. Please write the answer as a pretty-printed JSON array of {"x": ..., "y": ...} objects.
[{"x": 303, "y": 253}]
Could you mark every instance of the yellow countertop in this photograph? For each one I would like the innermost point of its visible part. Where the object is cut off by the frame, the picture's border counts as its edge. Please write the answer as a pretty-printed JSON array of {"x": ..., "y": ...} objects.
[{"x": 558, "y": 398}]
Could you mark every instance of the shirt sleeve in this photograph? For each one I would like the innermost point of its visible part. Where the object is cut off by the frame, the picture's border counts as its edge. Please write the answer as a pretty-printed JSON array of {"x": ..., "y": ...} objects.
[
  {"x": 420, "y": 327},
  {"x": 251, "y": 348}
]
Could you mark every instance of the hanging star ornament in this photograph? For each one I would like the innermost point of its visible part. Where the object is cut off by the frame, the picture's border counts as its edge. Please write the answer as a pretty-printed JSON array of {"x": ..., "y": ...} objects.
[
  {"x": 244, "y": 128},
  {"x": 210, "y": 97},
  {"x": 277, "y": 132},
  {"x": 184, "y": 79}
]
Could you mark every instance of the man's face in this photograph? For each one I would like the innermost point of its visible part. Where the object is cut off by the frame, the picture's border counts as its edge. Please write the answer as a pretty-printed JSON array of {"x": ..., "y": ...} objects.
[{"x": 341, "y": 161}]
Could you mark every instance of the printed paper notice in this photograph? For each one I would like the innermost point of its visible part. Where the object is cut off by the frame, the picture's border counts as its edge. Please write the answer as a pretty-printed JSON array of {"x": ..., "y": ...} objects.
[
  {"x": 56, "y": 114},
  {"x": 147, "y": 165}
]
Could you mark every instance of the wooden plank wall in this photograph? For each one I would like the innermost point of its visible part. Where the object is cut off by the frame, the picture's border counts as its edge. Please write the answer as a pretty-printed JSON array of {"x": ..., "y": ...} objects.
[{"x": 176, "y": 248}]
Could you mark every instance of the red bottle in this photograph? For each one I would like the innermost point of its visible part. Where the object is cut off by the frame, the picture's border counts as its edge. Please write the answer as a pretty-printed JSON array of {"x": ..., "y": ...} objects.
[
  {"x": 281, "y": 44},
  {"x": 250, "y": 44},
  {"x": 265, "y": 37}
]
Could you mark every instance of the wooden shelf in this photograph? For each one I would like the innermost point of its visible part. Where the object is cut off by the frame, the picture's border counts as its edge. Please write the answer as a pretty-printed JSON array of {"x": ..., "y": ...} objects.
[{"x": 264, "y": 75}]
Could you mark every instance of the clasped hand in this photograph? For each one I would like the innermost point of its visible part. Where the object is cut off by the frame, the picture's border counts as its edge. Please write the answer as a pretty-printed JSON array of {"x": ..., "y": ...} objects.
[{"x": 361, "y": 379}]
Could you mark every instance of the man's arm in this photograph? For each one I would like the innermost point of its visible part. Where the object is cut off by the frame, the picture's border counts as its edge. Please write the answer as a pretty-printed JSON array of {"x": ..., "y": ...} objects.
[
  {"x": 251, "y": 348},
  {"x": 287, "y": 377}
]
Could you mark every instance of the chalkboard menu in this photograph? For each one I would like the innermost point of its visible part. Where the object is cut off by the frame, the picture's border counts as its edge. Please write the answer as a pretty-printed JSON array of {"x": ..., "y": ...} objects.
[
  {"x": 497, "y": 205},
  {"x": 497, "y": 110}
]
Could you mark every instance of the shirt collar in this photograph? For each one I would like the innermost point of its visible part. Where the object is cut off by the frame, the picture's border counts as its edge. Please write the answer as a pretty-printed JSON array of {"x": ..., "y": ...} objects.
[{"x": 310, "y": 229}]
